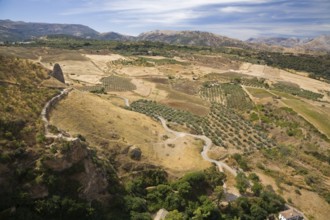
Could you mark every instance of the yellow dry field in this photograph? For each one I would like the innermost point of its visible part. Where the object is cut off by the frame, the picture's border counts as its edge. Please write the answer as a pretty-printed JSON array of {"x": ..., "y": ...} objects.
[
  {"x": 311, "y": 203},
  {"x": 143, "y": 88},
  {"x": 138, "y": 71},
  {"x": 313, "y": 206},
  {"x": 97, "y": 119},
  {"x": 105, "y": 58},
  {"x": 84, "y": 71},
  {"x": 102, "y": 61},
  {"x": 275, "y": 74},
  {"x": 181, "y": 155},
  {"x": 155, "y": 57},
  {"x": 82, "y": 67},
  {"x": 52, "y": 83}
]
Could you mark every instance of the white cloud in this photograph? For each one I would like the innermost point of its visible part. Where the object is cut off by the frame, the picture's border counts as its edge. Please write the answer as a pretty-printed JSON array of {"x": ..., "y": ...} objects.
[
  {"x": 231, "y": 9},
  {"x": 149, "y": 6},
  {"x": 235, "y": 18}
]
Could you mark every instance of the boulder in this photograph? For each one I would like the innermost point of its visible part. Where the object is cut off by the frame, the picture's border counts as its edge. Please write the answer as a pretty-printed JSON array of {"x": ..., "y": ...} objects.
[
  {"x": 58, "y": 73},
  {"x": 135, "y": 153}
]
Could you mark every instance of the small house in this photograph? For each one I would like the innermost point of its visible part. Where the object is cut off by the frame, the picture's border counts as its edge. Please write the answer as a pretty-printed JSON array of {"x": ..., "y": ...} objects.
[{"x": 290, "y": 214}]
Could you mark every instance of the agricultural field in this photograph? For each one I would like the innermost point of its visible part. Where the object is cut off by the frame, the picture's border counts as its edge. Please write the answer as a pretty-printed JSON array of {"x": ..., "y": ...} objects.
[
  {"x": 317, "y": 115},
  {"x": 145, "y": 62},
  {"x": 112, "y": 83},
  {"x": 260, "y": 93},
  {"x": 221, "y": 125},
  {"x": 294, "y": 90},
  {"x": 228, "y": 94},
  {"x": 253, "y": 82}
]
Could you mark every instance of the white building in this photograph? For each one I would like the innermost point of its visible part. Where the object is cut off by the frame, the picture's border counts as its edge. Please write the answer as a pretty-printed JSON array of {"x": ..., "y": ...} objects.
[{"x": 290, "y": 214}]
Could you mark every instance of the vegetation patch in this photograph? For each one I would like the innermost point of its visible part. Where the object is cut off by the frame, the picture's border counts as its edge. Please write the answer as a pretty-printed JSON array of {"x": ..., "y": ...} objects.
[
  {"x": 228, "y": 94},
  {"x": 111, "y": 83},
  {"x": 223, "y": 126},
  {"x": 294, "y": 90}
]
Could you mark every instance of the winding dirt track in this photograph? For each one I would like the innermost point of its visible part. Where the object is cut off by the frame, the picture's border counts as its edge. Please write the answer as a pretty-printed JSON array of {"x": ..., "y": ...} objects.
[
  {"x": 45, "y": 115},
  {"x": 206, "y": 147}
]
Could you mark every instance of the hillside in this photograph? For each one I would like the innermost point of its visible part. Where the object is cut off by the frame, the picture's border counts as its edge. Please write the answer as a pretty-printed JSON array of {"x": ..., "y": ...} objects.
[
  {"x": 145, "y": 126},
  {"x": 115, "y": 36},
  {"x": 195, "y": 38},
  {"x": 319, "y": 43},
  {"x": 42, "y": 177},
  {"x": 20, "y": 31}
]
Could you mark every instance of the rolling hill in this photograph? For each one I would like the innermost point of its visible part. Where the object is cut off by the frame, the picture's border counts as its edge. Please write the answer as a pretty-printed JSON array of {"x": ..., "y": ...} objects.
[
  {"x": 319, "y": 43},
  {"x": 21, "y": 31},
  {"x": 195, "y": 38}
]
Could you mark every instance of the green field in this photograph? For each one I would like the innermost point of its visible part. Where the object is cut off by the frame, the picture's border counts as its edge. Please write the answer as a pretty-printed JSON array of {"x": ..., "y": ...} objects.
[
  {"x": 112, "y": 83},
  {"x": 228, "y": 94},
  {"x": 259, "y": 93},
  {"x": 222, "y": 125},
  {"x": 318, "y": 116}
]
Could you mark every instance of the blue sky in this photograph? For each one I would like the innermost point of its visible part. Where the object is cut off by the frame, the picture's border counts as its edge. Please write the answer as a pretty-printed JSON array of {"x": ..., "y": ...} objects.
[{"x": 233, "y": 18}]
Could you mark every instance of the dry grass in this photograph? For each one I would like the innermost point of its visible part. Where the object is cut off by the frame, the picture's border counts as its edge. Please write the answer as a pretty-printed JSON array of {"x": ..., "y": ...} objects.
[
  {"x": 97, "y": 119},
  {"x": 278, "y": 75},
  {"x": 21, "y": 52}
]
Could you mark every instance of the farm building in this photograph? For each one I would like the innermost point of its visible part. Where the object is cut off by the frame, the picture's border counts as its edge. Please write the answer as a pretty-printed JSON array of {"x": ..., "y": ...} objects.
[{"x": 290, "y": 214}]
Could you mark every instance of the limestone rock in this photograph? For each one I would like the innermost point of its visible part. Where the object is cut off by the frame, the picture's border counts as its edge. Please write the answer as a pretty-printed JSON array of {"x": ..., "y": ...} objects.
[{"x": 58, "y": 73}]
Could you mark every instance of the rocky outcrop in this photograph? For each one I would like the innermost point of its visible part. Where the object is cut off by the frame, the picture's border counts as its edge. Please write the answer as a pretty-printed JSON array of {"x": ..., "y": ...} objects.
[
  {"x": 58, "y": 73},
  {"x": 77, "y": 163},
  {"x": 135, "y": 153},
  {"x": 76, "y": 153}
]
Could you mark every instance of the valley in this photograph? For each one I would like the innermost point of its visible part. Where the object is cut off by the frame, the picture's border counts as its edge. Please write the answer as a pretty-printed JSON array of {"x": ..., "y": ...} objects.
[{"x": 169, "y": 117}]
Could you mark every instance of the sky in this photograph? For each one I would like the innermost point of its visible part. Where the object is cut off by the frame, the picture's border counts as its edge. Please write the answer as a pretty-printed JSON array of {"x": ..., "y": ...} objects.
[{"x": 240, "y": 19}]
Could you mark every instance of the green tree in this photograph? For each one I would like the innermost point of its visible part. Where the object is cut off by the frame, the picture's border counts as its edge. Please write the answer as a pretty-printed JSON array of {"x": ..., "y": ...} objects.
[
  {"x": 174, "y": 215},
  {"x": 256, "y": 188},
  {"x": 258, "y": 212},
  {"x": 242, "y": 183},
  {"x": 219, "y": 193}
]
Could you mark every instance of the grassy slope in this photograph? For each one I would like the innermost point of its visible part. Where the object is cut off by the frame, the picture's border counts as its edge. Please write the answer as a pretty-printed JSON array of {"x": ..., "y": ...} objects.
[
  {"x": 318, "y": 116},
  {"x": 99, "y": 121},
  {"x": 259, "y": 93}
]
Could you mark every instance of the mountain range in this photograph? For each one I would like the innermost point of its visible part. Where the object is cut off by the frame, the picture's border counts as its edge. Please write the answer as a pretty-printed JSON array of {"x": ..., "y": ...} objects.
[
  {"x": 318, "y": 43},
  {"x": 21, "y": 31}
]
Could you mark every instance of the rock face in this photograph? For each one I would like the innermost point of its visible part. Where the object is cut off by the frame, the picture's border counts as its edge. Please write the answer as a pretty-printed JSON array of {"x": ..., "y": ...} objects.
[
  {"x": 58, "y": 73},
  {"x": 76, "y": 163}
]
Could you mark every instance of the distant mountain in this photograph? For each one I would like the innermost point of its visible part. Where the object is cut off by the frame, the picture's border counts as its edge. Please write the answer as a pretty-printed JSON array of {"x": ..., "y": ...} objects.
[
  {"x": 115, "y": 36},
  {"x": 19, "y": 31},
  {"x": 320, "y": 43},
  {"x": 278, "y": 41},
  {"x": 196, "y": 38}
]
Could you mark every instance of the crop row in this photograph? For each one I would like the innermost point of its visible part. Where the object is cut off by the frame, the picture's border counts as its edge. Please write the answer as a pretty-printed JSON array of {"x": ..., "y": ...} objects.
[
  {"x": 297, "y": 91},
  {"x": 222, "y": 125},
  {"x": 254, "y": 82},
  {"x": 228, "y": 94},
  {"x": 112, "y": 83}
]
